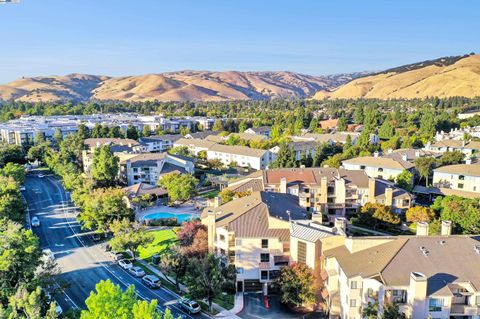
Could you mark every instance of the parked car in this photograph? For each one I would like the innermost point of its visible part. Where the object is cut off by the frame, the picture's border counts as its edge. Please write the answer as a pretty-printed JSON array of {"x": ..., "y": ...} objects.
[
  {"x": 58, "y": 310},
  {"x": 151, "y": 281},
  {"x": 96, "y": 237},
  {"x": 22, "y": 188},
  {"x": 49, "y": 254},
  {"x": 107, "y": 247},
  {"x": 136, "y": 271},
  {"x": 116, "y": 255},
  {"x": 35, "y": 221},
  {"x": 41, "y": 175},
  {"x": 125, "y": 264},
  {"x": 190, "y": 305}
]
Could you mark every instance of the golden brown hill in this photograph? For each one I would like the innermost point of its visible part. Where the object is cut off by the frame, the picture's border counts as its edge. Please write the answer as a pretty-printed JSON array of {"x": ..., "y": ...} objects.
[
  {"x": 445, "y": 77},
  {"x": 171, "y": 86}
]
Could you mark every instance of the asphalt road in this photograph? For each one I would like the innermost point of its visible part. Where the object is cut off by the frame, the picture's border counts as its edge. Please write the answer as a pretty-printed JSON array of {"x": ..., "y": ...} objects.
[{"x": 82, "y": 263}]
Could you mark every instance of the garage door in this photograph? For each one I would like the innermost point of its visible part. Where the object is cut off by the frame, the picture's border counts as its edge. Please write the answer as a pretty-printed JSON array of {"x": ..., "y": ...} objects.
[{"x": 252, "y": 285}]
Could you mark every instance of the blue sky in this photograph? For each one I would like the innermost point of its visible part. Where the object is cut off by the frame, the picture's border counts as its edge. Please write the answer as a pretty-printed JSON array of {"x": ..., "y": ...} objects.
[{"x": 120, "y": 37}]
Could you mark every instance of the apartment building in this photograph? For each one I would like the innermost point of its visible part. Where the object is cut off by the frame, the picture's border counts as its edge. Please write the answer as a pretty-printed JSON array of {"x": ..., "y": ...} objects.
[
  {"x": 120, "y": 147},
  {"x": 149, "y": 167},
  {"x": 332, "y": 138},
  {"x": 466, "y": 147},
  {"x": 426, "y": 276},
  {"x": 376, "y": 166},
  {"x": 458, "y": 133},
  {"x": 253, "y": 233},
  {"x": 261, "y": 130},
  {"x": 333, "y": 192},
  {"x": 159, "y": 143},
  {"x": 302, "y": 149},
  {"x": 459, "y": 177},
  {"x": 241, "y": 156},
  {"x": 194, "y": 145}
]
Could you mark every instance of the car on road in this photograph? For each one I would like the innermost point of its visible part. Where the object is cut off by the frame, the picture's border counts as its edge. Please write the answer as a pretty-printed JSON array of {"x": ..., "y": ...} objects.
[
  {"x": 48, "y": 253},
  {"x": 136, "y": 271},
  {"x": 35, "y": 222},
  {"x": 151, "y": 281},
  {"x": 96, "y": 237},
  {"x": 190, "y": 305},
  {"x": 125, "y": 264},
  {"x": 41, "y": 175}
]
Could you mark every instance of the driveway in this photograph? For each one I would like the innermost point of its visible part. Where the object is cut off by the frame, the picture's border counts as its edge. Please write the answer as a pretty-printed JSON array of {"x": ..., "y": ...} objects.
[{"x": 254, "y": 308}]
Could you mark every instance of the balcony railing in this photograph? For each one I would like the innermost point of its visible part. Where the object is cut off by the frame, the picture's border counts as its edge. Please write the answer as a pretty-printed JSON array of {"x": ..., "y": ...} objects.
[{"x": 466, "y": 310}]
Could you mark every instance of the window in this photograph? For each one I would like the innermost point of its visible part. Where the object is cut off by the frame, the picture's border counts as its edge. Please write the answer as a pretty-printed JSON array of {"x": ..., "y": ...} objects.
[
  {"x": 238, "y": 256},
  {"x": 264, "y": 275},
  {"x": 264, "y": 258},
  {"x": 353, "y": 302},
  {"x": 353, "y": 285},
  {"x": 477, "y": 301},
  {"x": 238, "y": 242},
  {"x": 380, "y": 169},
  {"x": 302, "y": 252},
  {"x": 362, "y": 166},
  {"x": 461, "y": 177},
  {"x": 222, "y": 237},
  {"x": 435, "y": 304},
  {"x": 264, "y": 243},
  {"x": 460, "y": 185},
  {"x": 239, "y": 270}
]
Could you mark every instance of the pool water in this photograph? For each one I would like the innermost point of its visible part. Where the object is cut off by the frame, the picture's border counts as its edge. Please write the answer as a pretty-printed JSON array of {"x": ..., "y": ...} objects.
[{"x": 180, "y": 217}]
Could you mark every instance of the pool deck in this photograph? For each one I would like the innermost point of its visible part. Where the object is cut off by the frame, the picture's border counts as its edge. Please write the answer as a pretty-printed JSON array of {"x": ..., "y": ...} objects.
[{"x": 186, "y": 209}]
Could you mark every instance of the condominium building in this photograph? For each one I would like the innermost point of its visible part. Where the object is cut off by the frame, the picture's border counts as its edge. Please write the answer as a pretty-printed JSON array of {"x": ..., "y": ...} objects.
[
  {"x": 241, "y": 156},
  {"x": 253, "y": 233},
  {"x": 333, "y": 192},
  {"x": 194, "y": 145},
  {"x": 261, "y": 130},
  {"x": 150, "y": 167},
  {"x": 426, "y": 276},
  {"x": 376, "y": 166},
  {"x": 460, "y": 177},
  {"x": 159, "y": 143},
  {"x": 466, "y": 147}
]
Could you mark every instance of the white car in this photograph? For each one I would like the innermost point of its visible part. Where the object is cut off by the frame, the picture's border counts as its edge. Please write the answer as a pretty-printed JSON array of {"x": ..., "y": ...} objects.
[
  {"x": 125, "y": 264},
  {"x": 58, "y": 310},
  {"x": 35, "y": 222},
  {"x": 151, "y": 281},
  {"x": 49, "y": 254},
  {"x": 190, "y": 306},
  {"x": 41, "y": 175},
  {"x": 22, "y": 188},
  {"x": 136, "y": 271}
]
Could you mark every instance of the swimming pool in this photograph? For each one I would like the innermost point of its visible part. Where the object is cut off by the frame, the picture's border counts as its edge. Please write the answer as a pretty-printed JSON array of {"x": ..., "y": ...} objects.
[{"x": 181, "y": 217}]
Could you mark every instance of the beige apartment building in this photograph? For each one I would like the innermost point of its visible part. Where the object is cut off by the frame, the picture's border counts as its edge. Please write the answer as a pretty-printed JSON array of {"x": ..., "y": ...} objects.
[
  {"x": 333, "y": 192},
  {"x": 459, "y": 177},
  {"x": 253, "y": 233},
  {"x": 426, "y": 276}
]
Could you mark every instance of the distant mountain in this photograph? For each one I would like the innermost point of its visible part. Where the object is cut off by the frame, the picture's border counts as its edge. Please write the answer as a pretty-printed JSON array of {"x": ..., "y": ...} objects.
[
  {"x": 444, "y": 77},
  {"x": 172, "y": 86}
]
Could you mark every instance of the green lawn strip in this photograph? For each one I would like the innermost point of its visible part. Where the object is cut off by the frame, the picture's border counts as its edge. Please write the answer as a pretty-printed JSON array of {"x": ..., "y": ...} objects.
[
  {"x": 210, "y": 194},
  {"x": 204, "y": 307},
  {"x": 162, "y": 240},
  {"x": 226, "y": 301}
]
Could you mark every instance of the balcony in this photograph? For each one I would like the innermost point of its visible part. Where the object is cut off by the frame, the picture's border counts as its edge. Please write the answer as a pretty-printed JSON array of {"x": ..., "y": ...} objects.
[{"x": 465, "y": 310}]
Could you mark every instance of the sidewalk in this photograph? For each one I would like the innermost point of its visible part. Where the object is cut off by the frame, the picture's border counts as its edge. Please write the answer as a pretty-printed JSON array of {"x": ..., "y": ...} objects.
[{"x": 222, "y": 312}]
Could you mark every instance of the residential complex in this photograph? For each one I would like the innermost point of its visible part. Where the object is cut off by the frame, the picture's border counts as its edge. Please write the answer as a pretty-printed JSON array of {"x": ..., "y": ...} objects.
[{"x": 461, "y": 177}]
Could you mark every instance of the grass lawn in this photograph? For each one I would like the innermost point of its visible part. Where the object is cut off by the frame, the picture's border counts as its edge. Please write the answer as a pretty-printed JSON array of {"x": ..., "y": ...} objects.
[
  {"x": 226, "y": 301},
  {"x": 162, "y": 240},
  {"x": 210, "y": 194}
]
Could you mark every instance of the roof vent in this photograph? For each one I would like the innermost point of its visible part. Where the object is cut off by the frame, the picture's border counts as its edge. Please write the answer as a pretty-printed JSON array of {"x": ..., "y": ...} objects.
[
  {"x": 442, "y": 242},
  {"x": 424, "y": 250}
]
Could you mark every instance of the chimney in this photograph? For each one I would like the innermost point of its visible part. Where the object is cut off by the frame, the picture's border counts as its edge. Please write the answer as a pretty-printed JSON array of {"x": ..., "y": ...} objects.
[
  {"x": 417, "y": 154},
  {"x": 283, "y": 185},
  {"x": 371, "y": 190},
  {"x": 417, "y": 294},
  {"x": 317, "y": 217},
  {"x": 375, "y": 154},
  {"x": 405, "y": 157},
  {"x": 422, "y": 229},
  {"x": 209, "y": 221},
  {"x": 323, "y": 190},
  {"x": 388, "y": 196},
  {"x": 446, "y": 229},
  {"x": 217, "y": 201},
  {"x": 468, "y": 161},
  {"x": 389, "y": 151}
]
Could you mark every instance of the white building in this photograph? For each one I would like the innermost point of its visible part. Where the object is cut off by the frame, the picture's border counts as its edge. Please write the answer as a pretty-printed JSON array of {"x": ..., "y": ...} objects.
[
  {"x": 242, "y": 156},
  {"x": 194, "y": 145},
  {"x": 461, "y": 177}
]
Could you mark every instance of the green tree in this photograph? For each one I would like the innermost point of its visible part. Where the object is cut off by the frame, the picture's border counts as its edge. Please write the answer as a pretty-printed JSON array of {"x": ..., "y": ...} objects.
[
  {"x": 104, "y": 165},
  {"x": 285, "y": 157},
  {"x": 204, "y": 278},
  {"x": 19, "y": 257},
  {"x": 386, "y": 130},
  {"x": 29, "y": 305},
  {"x": 370, "y": 311},
  {"x": 97, "y": 131},
  {"x": 404, "y": 180},
  {"x": 450, "y": 158},
  {"x": 184, "y": 130},
  {"x": 11, "y": 153},
  {"x": 242, "y": 126},
  {"x": 132, "y": 132},
  {"x": 427, "y": 125},
  {"x": 358, "y": 115},
  {"x": 295, "y": 283},
  {"x": 378, "y": 215},
  {"x": 392, "y": 311},
  {"x": 173, "y": 261},
  {"x": 109, "y": 301},
  {"x": 226, "y": 195},
  {"x": 146, "y": 131},
  {"x": 424, "y": 167},
  {"x": 38, "y": 151},
  {"x": 102, "y": 207},
  {"x": 179, "y": 150},
  {"x": 58, "y": 136},
  {"x": 180, "y": 187},
  {"x": 313, "y": 126},
  {"x": 342, "y": 124},
  {"x": 463, "y": 212},
  {"x": 11, "y": 204},
  {"x": 218, "y": 125},
  {"x": 16, "y": 171},
  {"x": 129, "y": 236}
]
